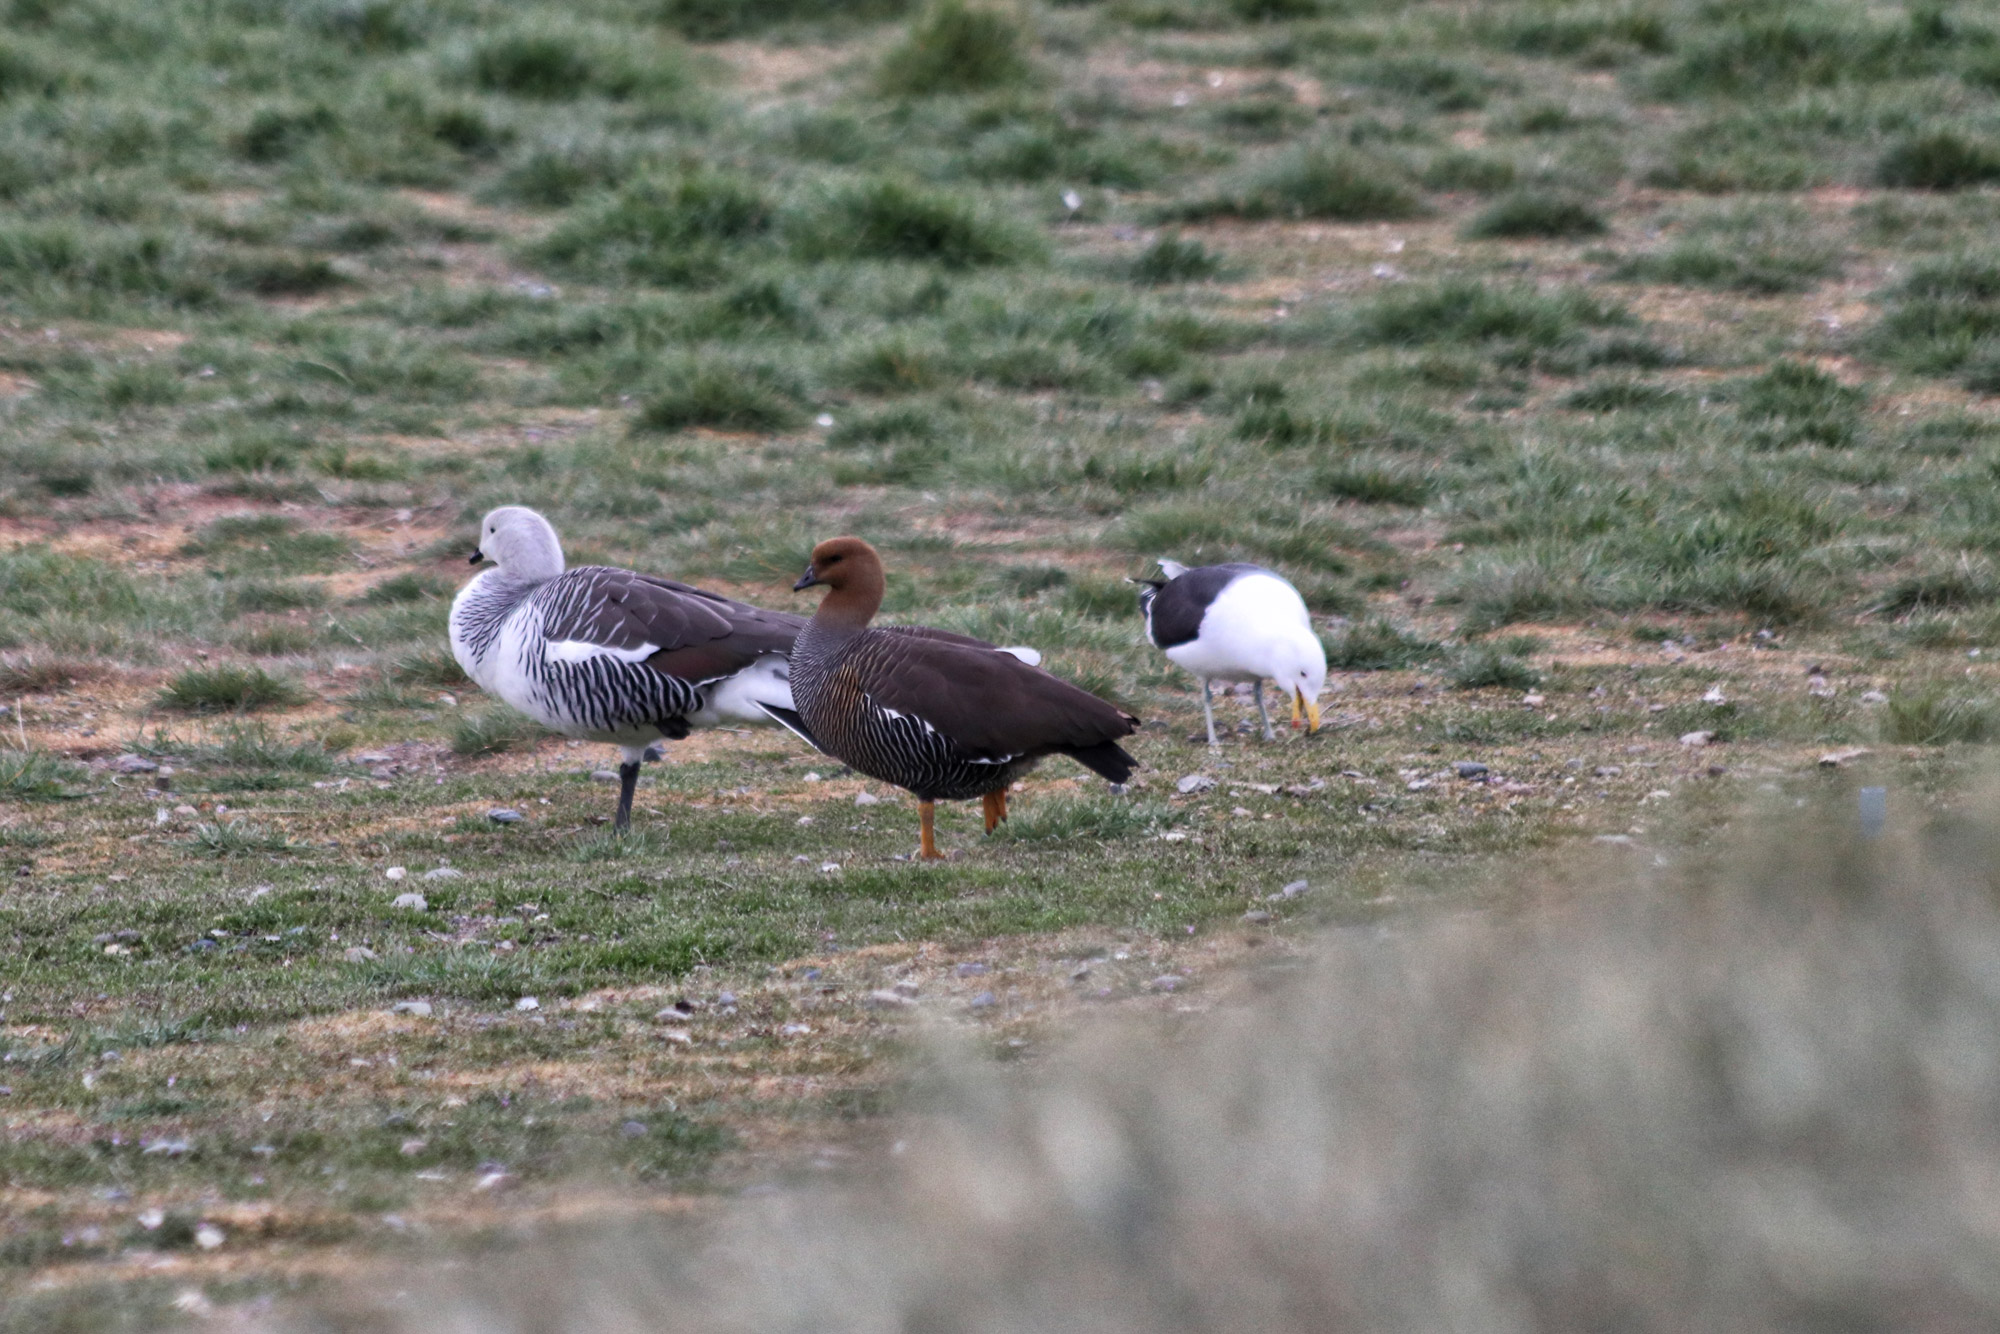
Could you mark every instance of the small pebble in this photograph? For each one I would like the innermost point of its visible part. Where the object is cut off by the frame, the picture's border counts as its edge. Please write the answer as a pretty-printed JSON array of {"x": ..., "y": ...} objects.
[
  {"x": 420, "y": 1009},
  {"x": 134, "y": 764},
  {"x": 527, "y": 1003},
  {"x": 985, "y": 1000},
  {"x": 725, "y": 998},
  {"x": 867, "y": 799},
  {"x": 1292, "y": 890},
  {"x": 412, "y": 900},
  {"x": 970, "y": 969},
  {"x": 1256, "y": 916},
  {"x": 359, "y": 954},
  {"x": 396, "y": 872},
  {"x": 633, "y": 1130},
  {"x": 889, "y": 1000},
  {"x": 1470, "y": 769},
  {"x": 1194, "y": 783},
  {"x": 502, "y": 815},
  {"x": 1697, "y": 738},
  {"x": 603, "y": 775},
  {"x": 795, "y": 1030}
]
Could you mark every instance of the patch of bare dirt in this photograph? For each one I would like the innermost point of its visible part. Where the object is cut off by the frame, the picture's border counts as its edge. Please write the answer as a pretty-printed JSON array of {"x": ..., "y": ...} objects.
[{"x": 771, "y": 71}]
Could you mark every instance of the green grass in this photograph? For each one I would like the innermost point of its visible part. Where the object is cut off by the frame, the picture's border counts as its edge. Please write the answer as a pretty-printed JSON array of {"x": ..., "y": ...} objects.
[
  {"x": 1482, "y": 666},
  {"x": 953, "y": 47},
  {"x": 1333, "y": 183},
  {"x": 1172, "y": 259},
  {"x": 33, "y": 775},
  {"x": 892, "y": 219},
  {"x": 492, "y": 732},
  {"x": 1939, "y": 160},
  {"x": 229, "y": 689},
  {"x": 1536, "y": 214},
  {"x": 1939, "y": 715}
]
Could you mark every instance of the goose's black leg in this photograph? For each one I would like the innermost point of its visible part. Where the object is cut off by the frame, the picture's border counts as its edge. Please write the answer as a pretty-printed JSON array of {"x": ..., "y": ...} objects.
[{"x": 628, "y": 783}]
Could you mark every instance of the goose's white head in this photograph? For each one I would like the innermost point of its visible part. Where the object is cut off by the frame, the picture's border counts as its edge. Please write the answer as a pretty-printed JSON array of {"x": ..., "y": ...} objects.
[{"x": 521, "y": 543}]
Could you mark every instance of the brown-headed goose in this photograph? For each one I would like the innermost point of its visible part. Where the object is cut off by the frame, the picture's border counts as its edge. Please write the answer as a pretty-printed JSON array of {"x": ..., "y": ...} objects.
[{"x": 946, "y": 718}]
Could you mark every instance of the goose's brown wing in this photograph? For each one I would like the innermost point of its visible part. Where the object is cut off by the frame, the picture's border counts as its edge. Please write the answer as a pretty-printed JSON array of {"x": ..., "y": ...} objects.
[{"x": 991, "y": 705}]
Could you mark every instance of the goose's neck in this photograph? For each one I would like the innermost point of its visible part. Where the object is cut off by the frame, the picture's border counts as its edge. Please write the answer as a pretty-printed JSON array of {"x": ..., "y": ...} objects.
[
  {"x": 484, "y": 603},
  {"x": 849, "y": 605}
]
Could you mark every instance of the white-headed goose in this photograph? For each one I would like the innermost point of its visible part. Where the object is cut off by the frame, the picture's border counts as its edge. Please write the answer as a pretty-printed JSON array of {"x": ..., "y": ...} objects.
[{"x": 609, "y": 655}]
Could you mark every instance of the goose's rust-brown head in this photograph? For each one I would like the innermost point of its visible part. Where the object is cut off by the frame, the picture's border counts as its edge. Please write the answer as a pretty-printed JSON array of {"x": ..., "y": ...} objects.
[{"x": 852, "y": 574}]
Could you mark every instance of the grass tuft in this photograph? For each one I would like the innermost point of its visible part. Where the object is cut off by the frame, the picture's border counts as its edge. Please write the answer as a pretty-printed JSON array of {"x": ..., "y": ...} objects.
[
  {"x": 1967, "y": 581},
  {"x": 1943, "y": 318},
  {"x": 724, "y": 396},
  {"x": 1483, "y": 666},
  {"x": 1538, "y": 214},
  {"x": 494, "y": 731},
  {"x": 669, "y": 231},
  {"x": 1462, "y": 310},
  {"x": 1939, "y": 160},
  {"x": 954, "y": 47},
  {"x": 239, "y": 838},
  {"x": 1623, "y": 395},
  {"x": 430, "y": 667},
  {"x": 893, "y": 219},
  {"x": 40, "y": 674},
  {"x": 1378, "y": 646},
  {"x": 1336, "y": 184},
  {"x": 1938, "y": 715},
  {"x": 1170, "y": 259},
  {"x": 229, "y": 689},
  {"x": 36, "y": 775},
  {"x": 1376, "y": 483},
  {"x": 1793, "y": 403},
  {"x": 1060, "y": 818},
  {"x": 1760, "y": 269}
]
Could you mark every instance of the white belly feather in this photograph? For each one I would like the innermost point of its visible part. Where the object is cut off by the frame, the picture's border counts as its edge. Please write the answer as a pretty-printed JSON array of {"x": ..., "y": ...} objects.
[{"x": 1243, "y": 630}]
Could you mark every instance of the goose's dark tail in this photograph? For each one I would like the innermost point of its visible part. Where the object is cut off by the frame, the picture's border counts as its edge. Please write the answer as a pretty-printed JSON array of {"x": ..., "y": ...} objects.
[{"x": 1106, "y": 757}]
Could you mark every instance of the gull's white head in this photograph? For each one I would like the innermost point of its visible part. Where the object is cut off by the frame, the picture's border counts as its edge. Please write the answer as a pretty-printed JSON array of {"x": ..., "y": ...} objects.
[
  {"x": 521, "y": 543},
  {"x": 1298, "y": 665}
]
